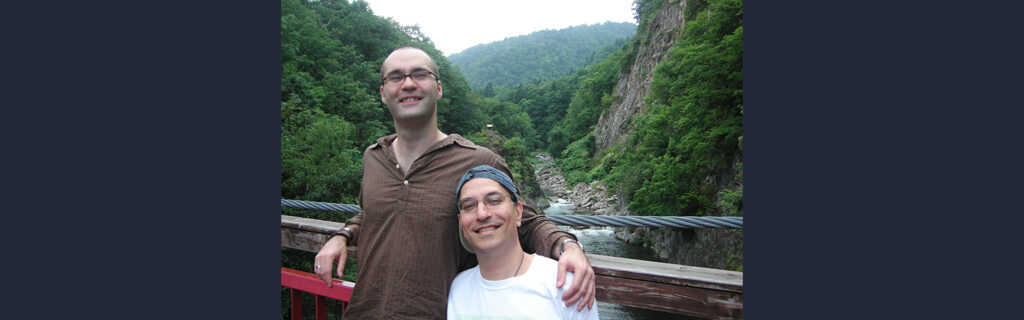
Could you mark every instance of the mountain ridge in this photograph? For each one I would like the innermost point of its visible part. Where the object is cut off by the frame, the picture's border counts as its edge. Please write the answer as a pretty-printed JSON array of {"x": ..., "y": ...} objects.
[{"x": 543, "y": 54}]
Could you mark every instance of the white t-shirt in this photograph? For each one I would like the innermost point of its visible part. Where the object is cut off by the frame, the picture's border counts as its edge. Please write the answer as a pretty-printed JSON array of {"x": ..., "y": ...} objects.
[{"x": 532, "y": 295}]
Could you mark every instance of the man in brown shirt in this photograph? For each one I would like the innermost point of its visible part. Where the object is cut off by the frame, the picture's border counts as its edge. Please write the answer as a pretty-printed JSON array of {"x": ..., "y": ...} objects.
[{"x": 407, "y": 233}]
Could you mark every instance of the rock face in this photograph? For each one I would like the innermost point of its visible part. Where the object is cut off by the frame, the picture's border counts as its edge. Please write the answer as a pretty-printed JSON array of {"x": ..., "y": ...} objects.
[
  {"x": 662, "y": 33},
  {"x": 591, "y": 197},
  {"x": 550, "y": 178},
  {"x": 711, "y": 248}
]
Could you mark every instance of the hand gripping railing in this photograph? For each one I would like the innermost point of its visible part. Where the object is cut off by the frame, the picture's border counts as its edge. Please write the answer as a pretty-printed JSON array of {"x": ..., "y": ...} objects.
[{"x": 681, "y": 222}]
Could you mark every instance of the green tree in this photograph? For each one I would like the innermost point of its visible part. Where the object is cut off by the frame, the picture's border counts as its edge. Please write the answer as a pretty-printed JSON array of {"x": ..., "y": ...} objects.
[
  {"x": 488, "y": 90},
  {"x": 594, "y": 95},
  {"x": 693, "y": 127},
  {"x": 540, "y": 55},
  {"x": 509, "y": 119},
  {"x": 319, "y": 162}
]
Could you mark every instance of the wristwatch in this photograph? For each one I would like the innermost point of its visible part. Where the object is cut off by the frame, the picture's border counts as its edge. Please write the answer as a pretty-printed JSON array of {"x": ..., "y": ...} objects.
[
  {"x": 347, "y": 235},
  {"x": 561, "y": 249}
]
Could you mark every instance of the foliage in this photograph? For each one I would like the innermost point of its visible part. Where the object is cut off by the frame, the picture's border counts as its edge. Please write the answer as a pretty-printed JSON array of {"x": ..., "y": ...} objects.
[
  {"x": 318, "y": 159},
  {"x": 540, "y": 55},
  {"x": 594, "y": 96},
  {"x": 558, "y": 139},
  {"x": 324, "y": 66},
  {"x": 514, "y": 151},
  {"x": 645, "y": 10},
  {"x": 730, "y": 200},
  {"x": 691, "y": 131},
  {"x": 545, "y": 102},
  {"x": 509, "y": 119},
  {"x": 514, "y": 148},
  {"x": 575, "y": 161},
  {"x": 693, "y": 126},
  {"x": 459, "y": 110}
]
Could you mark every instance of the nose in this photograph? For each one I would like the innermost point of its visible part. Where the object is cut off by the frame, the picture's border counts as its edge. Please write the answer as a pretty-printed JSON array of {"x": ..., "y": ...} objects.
[
  {"x": 482, "y": 212},
  {"x": 408, "y": 82}
]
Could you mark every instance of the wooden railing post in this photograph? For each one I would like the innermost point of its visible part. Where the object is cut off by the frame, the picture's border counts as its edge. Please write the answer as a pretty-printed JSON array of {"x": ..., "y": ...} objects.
[
  {"x": 296, "y": 304},
  {"x": 321, "y": 307}
]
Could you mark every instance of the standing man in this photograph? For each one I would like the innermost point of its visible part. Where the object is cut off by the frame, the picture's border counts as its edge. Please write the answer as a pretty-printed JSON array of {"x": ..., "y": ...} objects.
[
  {"x": 408, "y": 249},
  {"x": 508, "y": 283}
]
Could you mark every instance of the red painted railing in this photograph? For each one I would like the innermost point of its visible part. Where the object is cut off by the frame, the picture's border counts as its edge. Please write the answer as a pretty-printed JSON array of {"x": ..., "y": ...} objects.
[{"x": 300, "y": 282}]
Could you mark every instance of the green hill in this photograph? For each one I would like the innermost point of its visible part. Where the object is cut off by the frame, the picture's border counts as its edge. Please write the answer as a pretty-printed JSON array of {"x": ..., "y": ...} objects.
[{"x": 540, "y": 55}]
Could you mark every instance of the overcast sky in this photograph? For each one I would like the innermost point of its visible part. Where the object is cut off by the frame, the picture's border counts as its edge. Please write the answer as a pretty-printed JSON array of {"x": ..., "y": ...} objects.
[{"x": 455, "y": 25}]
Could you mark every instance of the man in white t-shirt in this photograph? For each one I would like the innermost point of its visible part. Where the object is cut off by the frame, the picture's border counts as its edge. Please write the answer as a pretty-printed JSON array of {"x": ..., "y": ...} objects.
[{"x": 508, "y": 283}]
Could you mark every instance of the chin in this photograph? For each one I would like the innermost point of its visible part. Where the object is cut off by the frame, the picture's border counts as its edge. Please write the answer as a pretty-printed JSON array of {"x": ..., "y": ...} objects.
[
  {"x": 482, "y": 246},
  {"x": 409, "y": 114}
]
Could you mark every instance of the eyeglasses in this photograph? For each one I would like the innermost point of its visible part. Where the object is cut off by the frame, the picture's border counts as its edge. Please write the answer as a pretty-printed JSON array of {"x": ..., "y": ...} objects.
[
  {"x": 418, "y": 76},
  {"x": 492, "y": 201}
]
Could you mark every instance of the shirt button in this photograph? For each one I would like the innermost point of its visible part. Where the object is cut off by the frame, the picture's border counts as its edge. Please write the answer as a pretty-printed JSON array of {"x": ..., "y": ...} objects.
[
  {"x": 406, "y": 182},
  {"x": 397, "y": 167}
]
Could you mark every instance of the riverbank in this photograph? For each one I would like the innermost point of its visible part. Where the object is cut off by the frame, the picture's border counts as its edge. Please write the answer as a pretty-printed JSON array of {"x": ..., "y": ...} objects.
[
  {"x": 709, "y": 248},
  {"x": 587, "y": 198}
]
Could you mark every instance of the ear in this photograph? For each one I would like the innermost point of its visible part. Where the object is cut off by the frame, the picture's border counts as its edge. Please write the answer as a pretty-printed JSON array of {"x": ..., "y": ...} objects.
[
  {"x": 440, "y": 92},
  {"x": 519, "y": 214},
  {"x": 385, "y": 101}
]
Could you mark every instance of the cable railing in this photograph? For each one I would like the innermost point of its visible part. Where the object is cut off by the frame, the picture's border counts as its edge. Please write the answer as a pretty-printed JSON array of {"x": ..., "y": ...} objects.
[{"x": 680, "y": 222}]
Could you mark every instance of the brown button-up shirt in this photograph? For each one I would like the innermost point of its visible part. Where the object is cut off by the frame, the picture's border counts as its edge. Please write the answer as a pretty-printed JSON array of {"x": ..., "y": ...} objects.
[{"x": 409, "y": 251}]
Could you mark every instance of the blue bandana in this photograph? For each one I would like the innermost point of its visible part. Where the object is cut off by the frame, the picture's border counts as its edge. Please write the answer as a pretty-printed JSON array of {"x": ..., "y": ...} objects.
[{"x": 489, "y": 172}]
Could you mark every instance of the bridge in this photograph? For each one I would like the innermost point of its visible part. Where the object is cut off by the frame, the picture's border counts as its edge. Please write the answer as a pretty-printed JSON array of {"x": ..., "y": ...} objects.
[{"x": 686, "y": 290}]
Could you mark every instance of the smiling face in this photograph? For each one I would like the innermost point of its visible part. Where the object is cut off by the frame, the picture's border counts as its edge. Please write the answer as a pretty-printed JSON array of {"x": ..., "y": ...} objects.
[
  {"x": 493, "y": 222},
  {"x": 410, "y": 99}
]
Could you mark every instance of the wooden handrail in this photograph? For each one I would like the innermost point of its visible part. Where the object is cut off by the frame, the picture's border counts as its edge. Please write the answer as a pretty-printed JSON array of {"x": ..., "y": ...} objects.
[{"x": 694, "y": 291}]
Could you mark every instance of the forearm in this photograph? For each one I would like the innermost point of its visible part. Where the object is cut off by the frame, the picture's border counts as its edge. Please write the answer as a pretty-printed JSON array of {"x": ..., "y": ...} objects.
[
  {"x": 560, "y": 246},
  {"x": 540, "y": 235},
  {"x": 352, "y": 225}
]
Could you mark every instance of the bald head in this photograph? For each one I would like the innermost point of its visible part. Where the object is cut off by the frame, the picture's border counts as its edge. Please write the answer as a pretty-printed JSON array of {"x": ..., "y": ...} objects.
[{"x": 407, "y": 50}]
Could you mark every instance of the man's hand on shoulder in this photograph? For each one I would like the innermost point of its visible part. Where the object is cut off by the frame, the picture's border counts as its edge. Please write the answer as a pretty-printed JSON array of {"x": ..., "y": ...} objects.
[{"x": 583, "y": 288}]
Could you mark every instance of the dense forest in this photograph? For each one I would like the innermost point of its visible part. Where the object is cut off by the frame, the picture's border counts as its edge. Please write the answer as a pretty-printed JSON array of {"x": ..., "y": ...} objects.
[
  {"x": 691, "y": 128},
  {"x": 539, "y": 55}
]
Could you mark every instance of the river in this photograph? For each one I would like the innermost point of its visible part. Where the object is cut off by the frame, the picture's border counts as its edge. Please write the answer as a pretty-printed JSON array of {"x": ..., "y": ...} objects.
[{"x": 602, "y": 240}]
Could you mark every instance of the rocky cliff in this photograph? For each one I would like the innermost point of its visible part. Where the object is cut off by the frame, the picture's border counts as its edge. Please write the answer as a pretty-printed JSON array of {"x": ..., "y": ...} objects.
[
  {"x": 712, "y": 248},
  {"x": 650, "y": 48}
]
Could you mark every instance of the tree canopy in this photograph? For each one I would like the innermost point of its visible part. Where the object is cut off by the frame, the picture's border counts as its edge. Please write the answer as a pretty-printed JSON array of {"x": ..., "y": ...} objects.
[
  {"x": 691, "y": 133},
  {"x": 539, "y": 55}
]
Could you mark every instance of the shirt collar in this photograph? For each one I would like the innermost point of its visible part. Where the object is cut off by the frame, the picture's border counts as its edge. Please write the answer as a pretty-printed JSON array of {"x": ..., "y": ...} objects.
[{"x": 453, "y": 138}]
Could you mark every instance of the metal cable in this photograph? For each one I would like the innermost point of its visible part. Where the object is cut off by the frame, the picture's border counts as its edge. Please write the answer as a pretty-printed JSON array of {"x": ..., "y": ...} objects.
[
  {"x": 681, "y": 222},
  {"x": 322, "y": 206}
]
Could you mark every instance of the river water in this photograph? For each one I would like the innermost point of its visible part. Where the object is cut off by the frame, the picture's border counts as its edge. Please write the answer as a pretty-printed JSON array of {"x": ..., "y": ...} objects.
[{"x": 602, "y": 240}]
